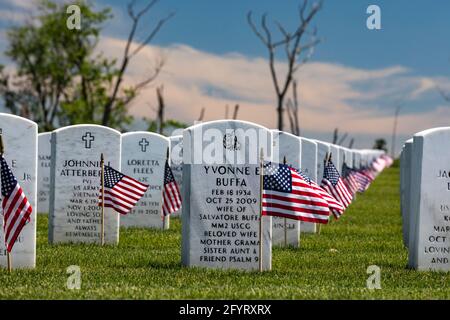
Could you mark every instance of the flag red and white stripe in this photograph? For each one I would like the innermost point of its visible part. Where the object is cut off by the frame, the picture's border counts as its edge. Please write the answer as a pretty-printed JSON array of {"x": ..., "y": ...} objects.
[
  {"x": 171, "y": 192},
  {"x": 286, "y": 194},
  {"x": 333, "y": 204},
  {"x": 364, "y": 179},
  {"x": 16, "y": 208},
  {"x": 121, "y": 192},
  {"x": 334, "y": 185}
]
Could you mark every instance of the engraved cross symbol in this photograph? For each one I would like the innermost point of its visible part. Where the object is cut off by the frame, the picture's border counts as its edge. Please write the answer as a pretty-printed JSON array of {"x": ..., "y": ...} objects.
[
  {"x": 144, "y": 144},
  {"x": 88, "y": 138}
]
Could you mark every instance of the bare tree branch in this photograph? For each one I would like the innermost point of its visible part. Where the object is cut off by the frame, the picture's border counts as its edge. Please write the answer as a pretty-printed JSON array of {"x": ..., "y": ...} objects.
[
  {"x": 127, "y": 55},
  {"x": 293, "y": 46},
  {"x": 352, "y": 141},
  {"x": 161, "y": 107},
  {"x": 236, "y": 110},
  {"x": 342, "y": 139},
  {"x": 202, "y": 114}
]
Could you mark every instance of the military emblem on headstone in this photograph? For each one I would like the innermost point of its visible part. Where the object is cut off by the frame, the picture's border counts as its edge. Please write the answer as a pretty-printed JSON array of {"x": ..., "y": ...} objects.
[{"x": 230, "y": 141}]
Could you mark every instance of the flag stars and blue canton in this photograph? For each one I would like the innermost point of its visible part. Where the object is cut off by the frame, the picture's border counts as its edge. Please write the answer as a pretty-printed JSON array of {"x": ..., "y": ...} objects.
[
  {"x": 16, "y": 208},
  {"x": 286, "y": 194},
  {"x": 331, "y": 173},
  {"x": 112, "y": 177},
  {"x": 171, "y": 192},
  {"x": 277, "y": 178}
]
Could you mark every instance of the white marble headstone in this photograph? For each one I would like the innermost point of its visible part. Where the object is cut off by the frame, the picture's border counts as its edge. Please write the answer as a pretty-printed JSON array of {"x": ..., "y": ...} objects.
[
  {"x": 75, "y": 216},
  {"x": 357, "y": 160},
  {"x": 429, "y": 248},
  {"x": 405, "y": 189},
  {"x": 144, "y": 156},
  {"x": 176, "y": 163},
  {"x": 309, "y": 167},
  {"x": 340, "y": 164},
  {"x": 20, "y": 140},
  {"x": 323, "y": 149},
  {"x": 348, "y": 157},
  {"x": 335, "y": 157},
  {"x": 221, "y": 192},
  {"x": 286, "y": 232},
  {"x": 43, "y": 185}
]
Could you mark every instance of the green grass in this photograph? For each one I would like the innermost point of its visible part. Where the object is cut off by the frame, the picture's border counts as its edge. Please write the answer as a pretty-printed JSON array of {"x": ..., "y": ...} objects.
[{"x": 332, "y": 265}]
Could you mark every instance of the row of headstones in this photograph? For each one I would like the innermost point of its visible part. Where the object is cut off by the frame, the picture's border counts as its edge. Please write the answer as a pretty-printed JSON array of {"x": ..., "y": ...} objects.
[
  {"x": 425, "y": 199},
  {"x": 73, "y": 185},
  {"x": 60, "y": 174},
  {"x": 220, "y": 213}
]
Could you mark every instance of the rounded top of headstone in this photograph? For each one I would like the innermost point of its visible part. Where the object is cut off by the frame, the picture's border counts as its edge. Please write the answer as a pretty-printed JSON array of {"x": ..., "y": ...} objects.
[
  {"x": 311, "y": 141},
  {"x": 176, "y": 138},
  {"x": 431, "y": 131},
  {"x": 145, "y": 133},
  {"x": 44, "y": 134},
  {"x": 17, "y": 118},
  {"x": 277, "y": 133},
  {"x": 84, "y": 126},
  {"x": 320, "y": 142},
  {"x": 409, "y": 141},
  {"x": 220, "y": 122}
]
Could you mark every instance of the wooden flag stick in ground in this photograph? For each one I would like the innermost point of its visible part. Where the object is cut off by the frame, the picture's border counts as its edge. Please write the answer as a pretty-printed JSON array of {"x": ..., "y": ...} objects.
[
  {"x": 285, "y": 220},
  {"x": 8, "y": 254},
  {"x": 261, "y": 184},
  {"x": 102, "y": 164}
]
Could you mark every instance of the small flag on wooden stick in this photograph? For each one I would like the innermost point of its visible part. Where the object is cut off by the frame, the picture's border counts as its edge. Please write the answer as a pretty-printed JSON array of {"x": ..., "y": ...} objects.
[
  {"x": 16, "y": 208},
  {"x": 171, "y": 192},
  {"x": 120, "y": 191}
]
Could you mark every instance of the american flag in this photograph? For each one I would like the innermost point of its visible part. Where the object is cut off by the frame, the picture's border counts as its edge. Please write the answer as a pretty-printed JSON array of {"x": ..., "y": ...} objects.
[
  {"x": 334, "y": 185},
  {"x": 333, "y": 204},
  {"x": 349, "y": 178},
  {"x": 286, "y": 194},
  {"x": 378, "y": 165},
  {"x": 121, "y": 192},
  {"x": 388, "y": 160},
  {"x": 364, "y": 177},
  {"x": 16, "y": 208},
  {"x": 171, "y": 193}
]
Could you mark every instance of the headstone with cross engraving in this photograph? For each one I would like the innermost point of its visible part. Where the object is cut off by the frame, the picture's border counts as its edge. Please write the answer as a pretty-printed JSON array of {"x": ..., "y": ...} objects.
[
  {"x": 20, "y": 141},
  {"x": 221, "y": 192},
  {"x": 75, "y": 175},
  {"x": 286, "y": 146},
  {"x": 144, "y": 155},
  {"x": 429, "y": 246},
  {"x": 43, "y": 185},
  {"x": 309, "y": 167},
  {"x": 176, "y": 163}
]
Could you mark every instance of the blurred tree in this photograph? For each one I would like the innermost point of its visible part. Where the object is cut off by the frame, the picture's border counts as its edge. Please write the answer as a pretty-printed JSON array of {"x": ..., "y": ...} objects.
[
  {"x": 59, "y": 78},
  {"x": 380, "y": 144}
]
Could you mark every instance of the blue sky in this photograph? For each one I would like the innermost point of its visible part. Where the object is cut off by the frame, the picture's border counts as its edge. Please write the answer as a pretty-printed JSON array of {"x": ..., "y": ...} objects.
[
  {"x": 414, "y": 32},
  {"x": 354, "y": 80}
]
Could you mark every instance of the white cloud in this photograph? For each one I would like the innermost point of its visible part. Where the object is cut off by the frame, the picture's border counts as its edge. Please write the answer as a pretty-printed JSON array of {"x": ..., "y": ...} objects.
[{"x": 331, "y": 95}]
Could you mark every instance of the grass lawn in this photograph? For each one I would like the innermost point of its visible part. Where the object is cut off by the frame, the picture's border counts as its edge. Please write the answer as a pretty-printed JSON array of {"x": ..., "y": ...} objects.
[{"x": 332, "y": 265}]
